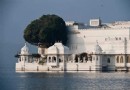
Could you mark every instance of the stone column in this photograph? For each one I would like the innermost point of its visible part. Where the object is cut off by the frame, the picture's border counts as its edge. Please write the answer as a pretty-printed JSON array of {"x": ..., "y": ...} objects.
[
  {"x": 83, "y": 59},
  {"x": 57, "y": 60},
  {"x": 73, "y": 57},
  {"x": 47, "y": 59},
  {"x": 51, "y": 59},
  {"x": 78, "y": 60},
  {"x": 124, "y": 61},
  {"x": 64, "y": 66}
]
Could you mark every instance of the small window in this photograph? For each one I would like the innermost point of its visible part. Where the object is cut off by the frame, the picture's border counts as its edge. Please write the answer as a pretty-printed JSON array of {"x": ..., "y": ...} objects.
[
  {"x": 60, "y": 60},
  {"x": 116, "y": 38},
  {"x": 97, "y": 58},
  {"x": 108, "y": 60},
  {"x": 117, "y": 59},
  {"x": 121, "y": 59},
  {"x": 54, "y": 58},
  {"x": 49, "y": 60},
  {"x": 128, "y": 59}
]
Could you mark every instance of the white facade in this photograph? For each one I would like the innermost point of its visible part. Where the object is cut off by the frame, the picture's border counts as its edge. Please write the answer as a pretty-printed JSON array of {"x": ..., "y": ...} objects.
[
  {"x": 112, "y": 41},
  {"x": 113, "y": 38},
  {"x": 97, "y": 46},
  {"x": 25, "y": 60}
]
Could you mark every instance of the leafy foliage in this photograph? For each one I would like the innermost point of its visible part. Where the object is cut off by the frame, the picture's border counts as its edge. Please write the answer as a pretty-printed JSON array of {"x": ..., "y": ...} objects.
[
  {"x": 81, "y": 56},
  {"x": 46, "y": 30},
  {"x": 36, "y": 55},
  {"x": 43, "y": 60}
]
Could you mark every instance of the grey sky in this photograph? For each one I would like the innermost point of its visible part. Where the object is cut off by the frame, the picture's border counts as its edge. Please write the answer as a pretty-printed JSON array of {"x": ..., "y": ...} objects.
[{"x": 15, "y": 15}]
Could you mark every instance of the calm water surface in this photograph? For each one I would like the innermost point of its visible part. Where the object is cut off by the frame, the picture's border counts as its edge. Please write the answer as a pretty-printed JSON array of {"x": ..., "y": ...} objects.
[
  {"x": 64, "y": 81},
  {"x": 10, "y": 80}
]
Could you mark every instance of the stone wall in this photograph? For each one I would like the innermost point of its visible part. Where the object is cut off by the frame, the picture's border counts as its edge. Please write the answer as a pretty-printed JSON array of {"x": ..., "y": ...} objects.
[{"x": 112, "y": 41}]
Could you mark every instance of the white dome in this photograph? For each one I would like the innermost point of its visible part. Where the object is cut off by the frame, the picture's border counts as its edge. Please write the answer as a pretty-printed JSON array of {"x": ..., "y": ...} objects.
[
  {"x": 66, "y": 50},
  {"x": 97, "y": 49},
  {"x": 58, "y": 48},
  {"x": 52, "y": 50},
  {"x": 25, "y": 50},
  {"x": 61, "y": 48}
]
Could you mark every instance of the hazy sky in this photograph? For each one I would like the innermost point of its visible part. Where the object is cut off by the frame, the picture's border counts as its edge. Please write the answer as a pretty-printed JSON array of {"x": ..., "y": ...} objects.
[{"x": 15, "y": 15}]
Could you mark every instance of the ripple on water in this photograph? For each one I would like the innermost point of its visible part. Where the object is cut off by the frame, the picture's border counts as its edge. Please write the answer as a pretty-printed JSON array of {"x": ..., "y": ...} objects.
[{"x": 66, "y": 81}]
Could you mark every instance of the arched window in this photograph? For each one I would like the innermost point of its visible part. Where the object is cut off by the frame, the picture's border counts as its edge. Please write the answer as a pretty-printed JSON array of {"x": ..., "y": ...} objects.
[
  {"x": 54, "y": 59},
  {"x": 25, "y": 58},
  {"x": 59, "y": 60},
  {"x": 97, "y": 58},
  {"x": 121, "y": 59},
  {"x": 117, "y": 59},
  {"x": 49, "y": 59},
  {"x": 116, "y": 38},
  {"x": 108, "y": 60},
  {"x": 128, "y": 59}
]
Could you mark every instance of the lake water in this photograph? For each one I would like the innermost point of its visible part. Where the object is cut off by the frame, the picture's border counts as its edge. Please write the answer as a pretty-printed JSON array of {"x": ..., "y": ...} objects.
[{"x": 10, "y": 80}]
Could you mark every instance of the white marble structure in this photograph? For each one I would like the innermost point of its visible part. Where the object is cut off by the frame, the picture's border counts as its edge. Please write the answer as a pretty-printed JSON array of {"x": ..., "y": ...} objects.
[
  {"x": 94, "y": 47},
  {"x": 26, "y": 61},
  {"x": 113, "y": 38}
]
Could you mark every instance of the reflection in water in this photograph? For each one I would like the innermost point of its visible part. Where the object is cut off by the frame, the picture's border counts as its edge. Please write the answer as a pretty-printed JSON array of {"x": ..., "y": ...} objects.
[{"x": 64, "y": 81}]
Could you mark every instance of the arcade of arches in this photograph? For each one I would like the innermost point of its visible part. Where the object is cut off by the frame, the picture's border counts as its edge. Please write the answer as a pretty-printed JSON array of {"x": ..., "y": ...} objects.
[{"x": 121, "y": 59}]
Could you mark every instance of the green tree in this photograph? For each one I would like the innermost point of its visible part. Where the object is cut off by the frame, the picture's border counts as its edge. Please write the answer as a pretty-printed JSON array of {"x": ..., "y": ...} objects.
[
  {"x": 82, "y": 55},
  {"x": 46, "y": 30}
]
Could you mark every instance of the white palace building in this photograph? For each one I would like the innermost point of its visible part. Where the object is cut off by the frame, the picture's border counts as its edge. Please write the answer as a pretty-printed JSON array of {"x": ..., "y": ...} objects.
[{"x": 94, "y": 47}]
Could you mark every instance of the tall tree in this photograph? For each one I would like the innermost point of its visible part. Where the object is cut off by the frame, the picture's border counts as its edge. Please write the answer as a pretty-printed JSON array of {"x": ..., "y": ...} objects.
[{"x": 46, "y": 30}]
